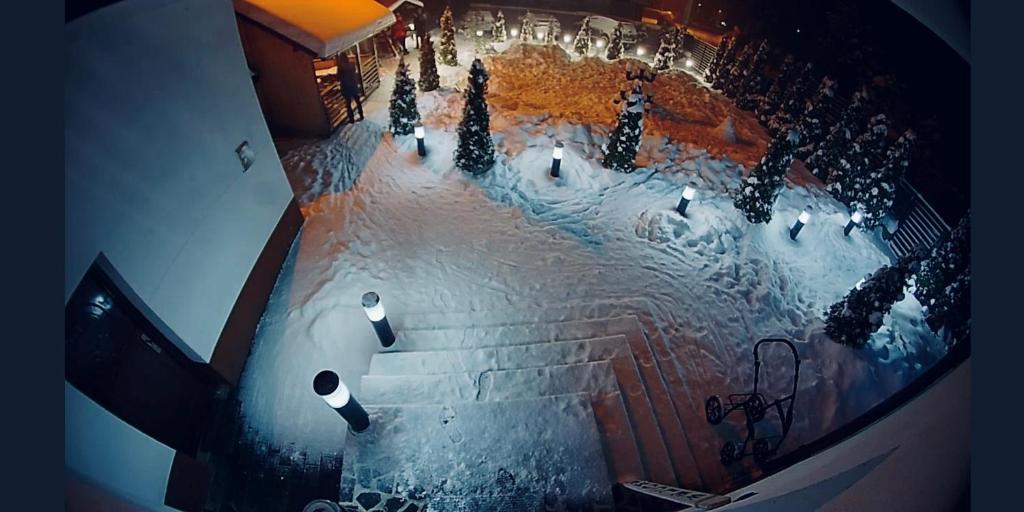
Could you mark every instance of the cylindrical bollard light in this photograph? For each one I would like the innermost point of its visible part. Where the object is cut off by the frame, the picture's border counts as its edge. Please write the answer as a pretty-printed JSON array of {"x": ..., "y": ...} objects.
[
  {"x": 855, "y": 219},
  {"x": 479, "y": 33},
  {"x": 556, "y": 159},
  {"x": 688, "y": 193},
  {"x": 421, "y": 146},
  {"x": 375, "y": 312},
  {"x": 689, "y": 63},
  {"x": 801, "y": 220},
  {"x": 328, "y": 385},
  {"x": 567, "y": 38}
]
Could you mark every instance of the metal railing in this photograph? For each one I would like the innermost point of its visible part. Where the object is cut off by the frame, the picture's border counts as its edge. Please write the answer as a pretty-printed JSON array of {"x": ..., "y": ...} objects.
[
  {"x": 919, "y": 225},
  {"x": 701, "y": 52},
  {"x": 694, "y": 499}
]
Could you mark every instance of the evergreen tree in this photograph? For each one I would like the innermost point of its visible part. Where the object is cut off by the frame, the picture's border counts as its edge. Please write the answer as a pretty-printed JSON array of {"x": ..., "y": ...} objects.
[
  {"x": 449, "y": 56},
  {"x": 829, "y": 159},
  {"x": 731, "y": 84},
  {"x": 729, "y": 59},
  {"x": 811, "y": 123},
  {"x": 720, "y": 59},
  {"x": 475, "y": 152},
  {"x": 404, "y": 115},
  {"x": 429, "y": 79},
  {"x": 753, "y": 84},
  {"x": 667, "y": 51},
  {"x": 550, "y": 37},
  {"x": 772, "y": 100},
  {"x": 757, "y": 193},
  {"x": 583, "y": 38},
  {"x": 624, "y": 141},
  {"x": 615, "y": 46},
  {"x": 944, "y": 284},
  {"x": 528, "y": 31},
  {"x": 852, "y": 320},
  {"x": 498, "y": 32},
  {"x": 875, "y": 197},
  {"x": 793, "y": 101},
  {"x": 853, "y": 179}
]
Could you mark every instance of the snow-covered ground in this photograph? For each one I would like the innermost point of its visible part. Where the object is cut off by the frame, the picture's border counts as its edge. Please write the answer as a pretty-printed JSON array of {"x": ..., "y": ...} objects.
[{"x": 433, "y": 240}]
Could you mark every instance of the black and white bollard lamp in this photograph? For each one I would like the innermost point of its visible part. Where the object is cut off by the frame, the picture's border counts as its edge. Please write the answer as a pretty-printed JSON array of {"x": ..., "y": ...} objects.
[
  {"x": 556, "y": 159},
  {"x": 688, "y": 63},
  {"x": 421, "y": 145},
  {"x": 329, "y": 386},
  {"x": 801, "y": 221},
  {"x": 855, "y": 219},
  {"x": 375, "y": 312},
  {"x": 688, "y": 193}
]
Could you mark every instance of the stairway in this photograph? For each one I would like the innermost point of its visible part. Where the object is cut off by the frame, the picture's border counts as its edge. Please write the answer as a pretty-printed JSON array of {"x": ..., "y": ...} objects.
[{"x": 523, "y": 416}]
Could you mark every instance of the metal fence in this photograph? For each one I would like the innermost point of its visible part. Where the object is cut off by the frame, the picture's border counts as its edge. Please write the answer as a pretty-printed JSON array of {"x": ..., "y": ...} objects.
[
  {"x": 919, "y": 225},
  {"x": 700, "y": 52}
]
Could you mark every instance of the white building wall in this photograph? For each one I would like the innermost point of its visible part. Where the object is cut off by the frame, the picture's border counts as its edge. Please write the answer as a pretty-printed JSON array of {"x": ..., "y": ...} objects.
[{"x": 157, "y": 97}]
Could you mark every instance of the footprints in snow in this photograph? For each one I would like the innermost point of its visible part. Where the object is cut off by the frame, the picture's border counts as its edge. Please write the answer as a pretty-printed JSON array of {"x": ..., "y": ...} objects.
[{"x": 447, "y": 418}]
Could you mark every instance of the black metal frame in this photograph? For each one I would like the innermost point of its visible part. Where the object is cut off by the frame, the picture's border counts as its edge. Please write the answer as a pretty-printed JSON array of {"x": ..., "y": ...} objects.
[{"x": 755, "y": 407}]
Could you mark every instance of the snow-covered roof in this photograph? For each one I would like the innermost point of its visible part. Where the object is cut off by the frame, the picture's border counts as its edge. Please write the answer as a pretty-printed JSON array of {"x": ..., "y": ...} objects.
[{"x": 325, "y": 27}]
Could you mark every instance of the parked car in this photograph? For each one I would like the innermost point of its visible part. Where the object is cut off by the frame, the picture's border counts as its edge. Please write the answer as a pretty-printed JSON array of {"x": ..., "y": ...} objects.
[
  {"x": 477, "y": 22},
  {"x": 602, "y": 27}
]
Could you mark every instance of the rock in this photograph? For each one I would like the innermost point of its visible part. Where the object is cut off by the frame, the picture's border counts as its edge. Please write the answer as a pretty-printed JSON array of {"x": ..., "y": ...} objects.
[{"x": 368, "y": 500}]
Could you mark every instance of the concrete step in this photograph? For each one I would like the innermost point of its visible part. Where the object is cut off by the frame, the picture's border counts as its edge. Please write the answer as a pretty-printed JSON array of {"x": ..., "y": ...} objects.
[
  {"x": 651, "y": 370},
  {"x": 615, "y": 349},
  {"x": 510, "y": 455},
  {"x": 597, "y": 379}
]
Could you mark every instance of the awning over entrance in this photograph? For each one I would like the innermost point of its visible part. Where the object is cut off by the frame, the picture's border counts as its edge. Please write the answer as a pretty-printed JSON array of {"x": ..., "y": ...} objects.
[{"x": 325, "y": 27}]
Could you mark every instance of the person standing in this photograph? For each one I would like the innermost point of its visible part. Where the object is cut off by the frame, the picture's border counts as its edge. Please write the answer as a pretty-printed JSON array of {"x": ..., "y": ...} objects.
[
  {"x": 349, "y": 78},
  {"x": 398, "y": 33}
]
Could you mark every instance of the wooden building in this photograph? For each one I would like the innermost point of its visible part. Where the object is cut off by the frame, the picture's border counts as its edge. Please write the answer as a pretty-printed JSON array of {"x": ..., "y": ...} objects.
[{"x": 293, "y": 48}]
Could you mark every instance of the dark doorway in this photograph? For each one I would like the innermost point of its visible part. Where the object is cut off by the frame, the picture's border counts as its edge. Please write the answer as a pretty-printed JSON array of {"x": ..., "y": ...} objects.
[{"x": 117, "y": 357}]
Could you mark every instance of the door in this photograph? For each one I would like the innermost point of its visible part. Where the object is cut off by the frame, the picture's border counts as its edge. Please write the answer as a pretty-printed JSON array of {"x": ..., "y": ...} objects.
[{"x": 117, "y": 357}]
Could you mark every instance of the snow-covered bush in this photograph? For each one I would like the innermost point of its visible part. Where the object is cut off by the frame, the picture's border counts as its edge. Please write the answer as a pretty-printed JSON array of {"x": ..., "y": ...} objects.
[
  {"x": 829, "y": 158},
  {"x": 528, "y": 31},
  {"x": 757, "y": 193},
  {"x": 666, "y": 55},
  {"x": 449, "y": 56},
  {"x": 875, "y": 198},
  {"x": 730, "y": 85},
  {"x": 772, "y": 101},
  {"x": 861, "y": 178},
  {"x": 615, "y": 46},
  {"x": 852, "y": 320},
  {"x": 753, "y": 84},
  {"x": 404, "y": 115},
  {"x": 498, "y": 31},
  {"x": 581, "y": 45},
  {"x": 475, "y": 152},
  {"x": 624, "y": 141},
  {"x": 720, "y": 58},
  {"x": 944, "y": 284},
  {"x": 811, "y": 123},
  {"x": 793, "y": 100},
  {"x": 429, "y": 79}
]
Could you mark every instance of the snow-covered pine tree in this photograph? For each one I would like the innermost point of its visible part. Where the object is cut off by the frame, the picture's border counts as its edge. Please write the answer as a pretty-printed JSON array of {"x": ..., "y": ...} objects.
[
  {"x": 666, "y": 55},
  {"x": 624, "y": 141},
  {"x": 615, "y": 46},
  {"x": 829, "y": 158},
  {"x": 449, "y": 55},
  {"x": 498, "y": 31},
  {"x": 793, "y": 100},
  {"x": 757, "y": 193},
  {"x": 753, "y": 84},
  {"x": 581, "y": 45},
  {"x": 720, "y": 60},
  {"x": 527, "y": 32},
  {"x": 943, "y": 286},
  {"x": 725, "y": 67},
  {"x": 404, "y": 115},
  {"x": 429, "y": 79},
  {"x": 731, "y": 84},
  {"x": 475, "y": 152},
  {"x": 550, "y": 37},
  {"x": 772, "y": 100},
  {"x": 811, "y": 123},
  {"x": 853, "y": 180},
  {"x": 852, "y": 320},
  {"x": 875, "y": 198}
]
